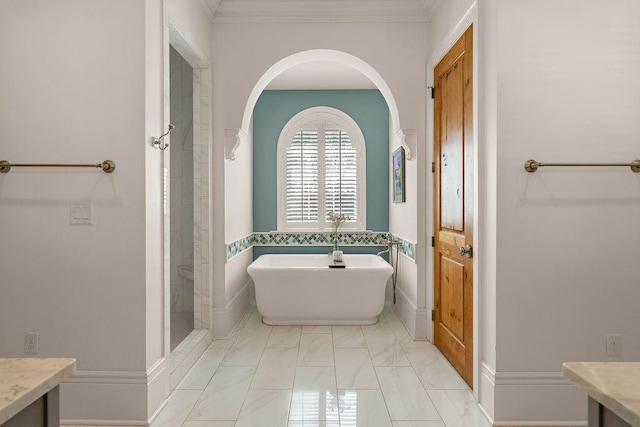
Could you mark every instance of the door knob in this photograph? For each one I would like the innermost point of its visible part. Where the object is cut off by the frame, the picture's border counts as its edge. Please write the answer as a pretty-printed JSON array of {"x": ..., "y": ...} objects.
[{"x": 466, "y": 250}]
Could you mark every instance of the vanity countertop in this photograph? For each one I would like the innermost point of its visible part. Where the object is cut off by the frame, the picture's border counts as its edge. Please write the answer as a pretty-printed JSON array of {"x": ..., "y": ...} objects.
[
  {"x": 22, "y": 381},
  {"x": 614, "y": 385}
]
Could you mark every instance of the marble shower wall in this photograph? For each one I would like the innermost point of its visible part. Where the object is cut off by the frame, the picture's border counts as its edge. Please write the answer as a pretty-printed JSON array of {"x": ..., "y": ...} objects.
[
  {"x": 182, "y": 185},
  {"x": 183, "y": 356}
]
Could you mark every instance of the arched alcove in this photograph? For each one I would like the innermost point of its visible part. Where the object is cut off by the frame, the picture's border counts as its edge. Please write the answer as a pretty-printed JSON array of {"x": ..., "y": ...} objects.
[{"x": 406, "y": 137}]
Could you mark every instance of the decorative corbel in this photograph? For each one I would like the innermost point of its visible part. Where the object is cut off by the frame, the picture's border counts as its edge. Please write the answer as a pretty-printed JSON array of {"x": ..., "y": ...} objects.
[
  {"x": 408, "y": 139},
  {"x": 233, "y": 139}
]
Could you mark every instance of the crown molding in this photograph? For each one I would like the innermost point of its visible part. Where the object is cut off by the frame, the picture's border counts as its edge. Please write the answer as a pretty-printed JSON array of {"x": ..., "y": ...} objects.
[
  {"x": 211, "y": 7},
  {"x": 431, "y": 6},
  {"x": 324, "y": 11}
]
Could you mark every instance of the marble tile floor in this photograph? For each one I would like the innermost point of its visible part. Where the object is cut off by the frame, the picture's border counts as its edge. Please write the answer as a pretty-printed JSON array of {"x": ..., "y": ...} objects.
[{"x": 321, "y": 376}]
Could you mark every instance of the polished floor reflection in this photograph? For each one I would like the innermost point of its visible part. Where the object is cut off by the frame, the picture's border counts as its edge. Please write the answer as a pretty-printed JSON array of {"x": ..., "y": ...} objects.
[{"x": 321, "y": 376}]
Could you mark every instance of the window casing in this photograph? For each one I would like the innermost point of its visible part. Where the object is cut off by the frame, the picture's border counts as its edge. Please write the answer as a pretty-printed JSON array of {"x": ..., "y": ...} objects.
[{"x": 321, "y": 168}]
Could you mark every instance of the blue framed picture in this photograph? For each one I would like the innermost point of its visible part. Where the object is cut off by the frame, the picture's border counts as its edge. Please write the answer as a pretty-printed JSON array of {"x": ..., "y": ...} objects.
[{"x": 398, "y": 176}]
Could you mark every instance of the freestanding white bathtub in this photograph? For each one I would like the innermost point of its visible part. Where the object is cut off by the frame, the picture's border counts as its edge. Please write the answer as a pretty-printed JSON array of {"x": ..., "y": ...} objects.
[{"x": 303, "y": 290}]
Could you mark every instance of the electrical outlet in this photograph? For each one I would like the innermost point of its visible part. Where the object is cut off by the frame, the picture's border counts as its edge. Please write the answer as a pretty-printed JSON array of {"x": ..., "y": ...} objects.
[
  {"x": 614, "y": 345},
  {"x": 31, "y": 342}
]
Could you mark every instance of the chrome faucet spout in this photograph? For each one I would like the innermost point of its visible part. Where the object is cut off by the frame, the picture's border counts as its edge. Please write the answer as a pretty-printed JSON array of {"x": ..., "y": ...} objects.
[{"x": 382, "y": 252}]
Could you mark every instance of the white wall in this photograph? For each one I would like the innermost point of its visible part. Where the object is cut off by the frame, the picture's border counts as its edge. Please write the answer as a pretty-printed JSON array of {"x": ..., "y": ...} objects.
[
  {"x": 568, "y": 84},
  {"x": 486, "y": 158},
  {"x": 556, "y": 82},
  {"x": 75, "y": 91},
  {"x": 238, "y": 188},
  {"x": 192, "y": 19},
  {"x": 68, "y": 98},
  {"x": 156, "y": 377},
  {"x": 396, "y": 51}
]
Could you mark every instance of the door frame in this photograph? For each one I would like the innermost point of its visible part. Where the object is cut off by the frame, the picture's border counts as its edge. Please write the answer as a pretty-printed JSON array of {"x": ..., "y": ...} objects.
[
  {"x": 203, "y": 140},
  {"x": 469, "y": 18}
]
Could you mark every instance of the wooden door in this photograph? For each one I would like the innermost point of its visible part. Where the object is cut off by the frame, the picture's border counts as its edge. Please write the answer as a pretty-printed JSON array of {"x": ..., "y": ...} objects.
[{"x": 453, "y": 206}]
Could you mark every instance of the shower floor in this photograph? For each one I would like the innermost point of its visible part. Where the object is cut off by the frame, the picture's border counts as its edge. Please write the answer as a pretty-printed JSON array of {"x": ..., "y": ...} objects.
[{"x": 181, "y": 326}]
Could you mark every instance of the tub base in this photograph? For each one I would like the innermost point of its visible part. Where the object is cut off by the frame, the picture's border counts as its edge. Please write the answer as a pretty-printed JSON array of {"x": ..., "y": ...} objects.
[{"x": 321, "y": 322}]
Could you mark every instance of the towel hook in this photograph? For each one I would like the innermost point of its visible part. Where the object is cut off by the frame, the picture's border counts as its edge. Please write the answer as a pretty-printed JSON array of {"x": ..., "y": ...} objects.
[{"x": 157, "y": 142}]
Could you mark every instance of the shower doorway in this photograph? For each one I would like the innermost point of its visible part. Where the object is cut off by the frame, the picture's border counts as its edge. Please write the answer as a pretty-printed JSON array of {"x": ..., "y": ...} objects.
[
  {"x": 181, "y": 199},
  {"x": 187, "y": 178}
]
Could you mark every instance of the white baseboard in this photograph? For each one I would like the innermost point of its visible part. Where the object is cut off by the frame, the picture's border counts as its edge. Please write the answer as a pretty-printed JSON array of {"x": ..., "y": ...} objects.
[
  {"x": 536, "y": 399},
  {"x": 486, "y": 390},
  {"x": 114, "y": 398},
  {"x": 422, "y": 323},
  {"x": 226, "y": 319},
  {"x": 158, "y": 388},
  {"x": 410, "y": 315}
]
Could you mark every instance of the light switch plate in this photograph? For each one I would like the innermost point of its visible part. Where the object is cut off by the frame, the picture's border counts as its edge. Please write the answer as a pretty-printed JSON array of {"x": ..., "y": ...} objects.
[{"x": 81, "y": 213}]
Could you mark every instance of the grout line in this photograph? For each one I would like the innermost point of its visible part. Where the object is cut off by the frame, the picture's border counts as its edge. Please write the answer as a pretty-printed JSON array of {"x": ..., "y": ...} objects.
[{"x": 335, "y": 374}]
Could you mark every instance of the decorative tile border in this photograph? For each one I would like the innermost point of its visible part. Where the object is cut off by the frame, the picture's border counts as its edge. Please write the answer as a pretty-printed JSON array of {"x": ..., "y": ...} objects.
[
  {"x": 406, "y": 248},
  {"x": 317, "y": 239},
  {"x": 240, "y": 245}
]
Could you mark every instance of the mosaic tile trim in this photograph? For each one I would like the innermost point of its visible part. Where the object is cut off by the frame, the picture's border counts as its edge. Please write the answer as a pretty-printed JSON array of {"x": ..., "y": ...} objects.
[
  {"x": 406, "y": 248},
  {"x": 319, "y": 239},
  {"x": 240, "y": 245}
]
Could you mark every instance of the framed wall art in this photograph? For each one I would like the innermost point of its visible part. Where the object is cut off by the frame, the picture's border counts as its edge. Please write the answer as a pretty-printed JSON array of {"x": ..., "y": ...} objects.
[{"x": 398, "y": 176}]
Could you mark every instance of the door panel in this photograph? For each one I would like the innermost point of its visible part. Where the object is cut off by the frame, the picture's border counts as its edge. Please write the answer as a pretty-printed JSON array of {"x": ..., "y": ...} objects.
[
  {"x": 451, "y": 286},
  {"x": 453, "y": 206},
  {"x": 451, "y": 166}
]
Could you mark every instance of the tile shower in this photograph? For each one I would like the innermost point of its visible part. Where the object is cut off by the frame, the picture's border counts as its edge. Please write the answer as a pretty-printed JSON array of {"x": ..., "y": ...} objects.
[
  {"x": 187, "y": 278},
  {"x": 181, "y": 199}
]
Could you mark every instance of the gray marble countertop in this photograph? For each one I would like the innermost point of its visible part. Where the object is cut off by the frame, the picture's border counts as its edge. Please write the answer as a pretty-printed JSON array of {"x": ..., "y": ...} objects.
[
  {"x": 615, "y": 385},
  {"x": 23, "y": 381}
]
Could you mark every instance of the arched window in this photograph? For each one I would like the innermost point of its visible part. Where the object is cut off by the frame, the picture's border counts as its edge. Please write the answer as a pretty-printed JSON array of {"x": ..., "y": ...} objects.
[{"x": 321, "y": 169}]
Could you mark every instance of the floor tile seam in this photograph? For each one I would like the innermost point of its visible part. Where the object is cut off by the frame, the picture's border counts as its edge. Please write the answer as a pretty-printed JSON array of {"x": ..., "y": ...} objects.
[
  {"x": 425, "y": 389},
  {"x": 386, "y": 405},
  {"x": 272, "y": 388},
  {"x": 244, "y": 399},
  {"x": 384, "y": 398},
  {"x": 359, "y": 389},
  {"x": 443, "y": 358},
  {"x": 214, "y": 371},
  {"x": 335, "y": 370},
  {"x": 251, "y": 366},
  {"x": 295, "y": 375},
  {"x": 195, "y": 402},
  {"x": 254, "y": 374}
]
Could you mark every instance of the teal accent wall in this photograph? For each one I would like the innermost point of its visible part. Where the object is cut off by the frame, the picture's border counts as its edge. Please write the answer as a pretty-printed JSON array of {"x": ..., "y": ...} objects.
[
  {"x": 262, "y": 250},
  {"x": 272, "y": 112}
]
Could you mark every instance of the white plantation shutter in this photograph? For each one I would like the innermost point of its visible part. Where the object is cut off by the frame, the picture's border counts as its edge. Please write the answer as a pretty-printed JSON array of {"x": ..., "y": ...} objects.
[
  {"x": 320, "y": 170},
  {"x": 302, "y": 177},
  {"x": 341, "y": 177}
]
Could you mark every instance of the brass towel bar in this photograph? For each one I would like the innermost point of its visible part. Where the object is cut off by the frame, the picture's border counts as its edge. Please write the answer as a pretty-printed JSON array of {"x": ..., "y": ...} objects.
[
  {"x": 107, "y": 166},
  {"x": 532, "y": 165}
]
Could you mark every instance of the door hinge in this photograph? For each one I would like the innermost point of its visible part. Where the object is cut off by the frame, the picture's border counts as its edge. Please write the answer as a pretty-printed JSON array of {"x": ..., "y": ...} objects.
[
  {"x": 433, "y": 315},
  {"x": 433, "y": 91},
  {"x": 433, "y": 241},
  {"x": 433, "y": 167}
]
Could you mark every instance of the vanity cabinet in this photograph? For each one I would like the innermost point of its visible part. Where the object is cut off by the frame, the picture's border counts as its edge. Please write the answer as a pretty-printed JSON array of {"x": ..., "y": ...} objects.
[
  {"x": 613, "y": 390},
  {"x": 30, "y": 391}
]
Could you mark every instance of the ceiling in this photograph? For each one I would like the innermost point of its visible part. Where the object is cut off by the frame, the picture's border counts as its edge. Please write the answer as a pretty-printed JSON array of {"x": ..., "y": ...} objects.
[
  {"x": 320, "y": 75},
  {"x": 321, "y": 10}
]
